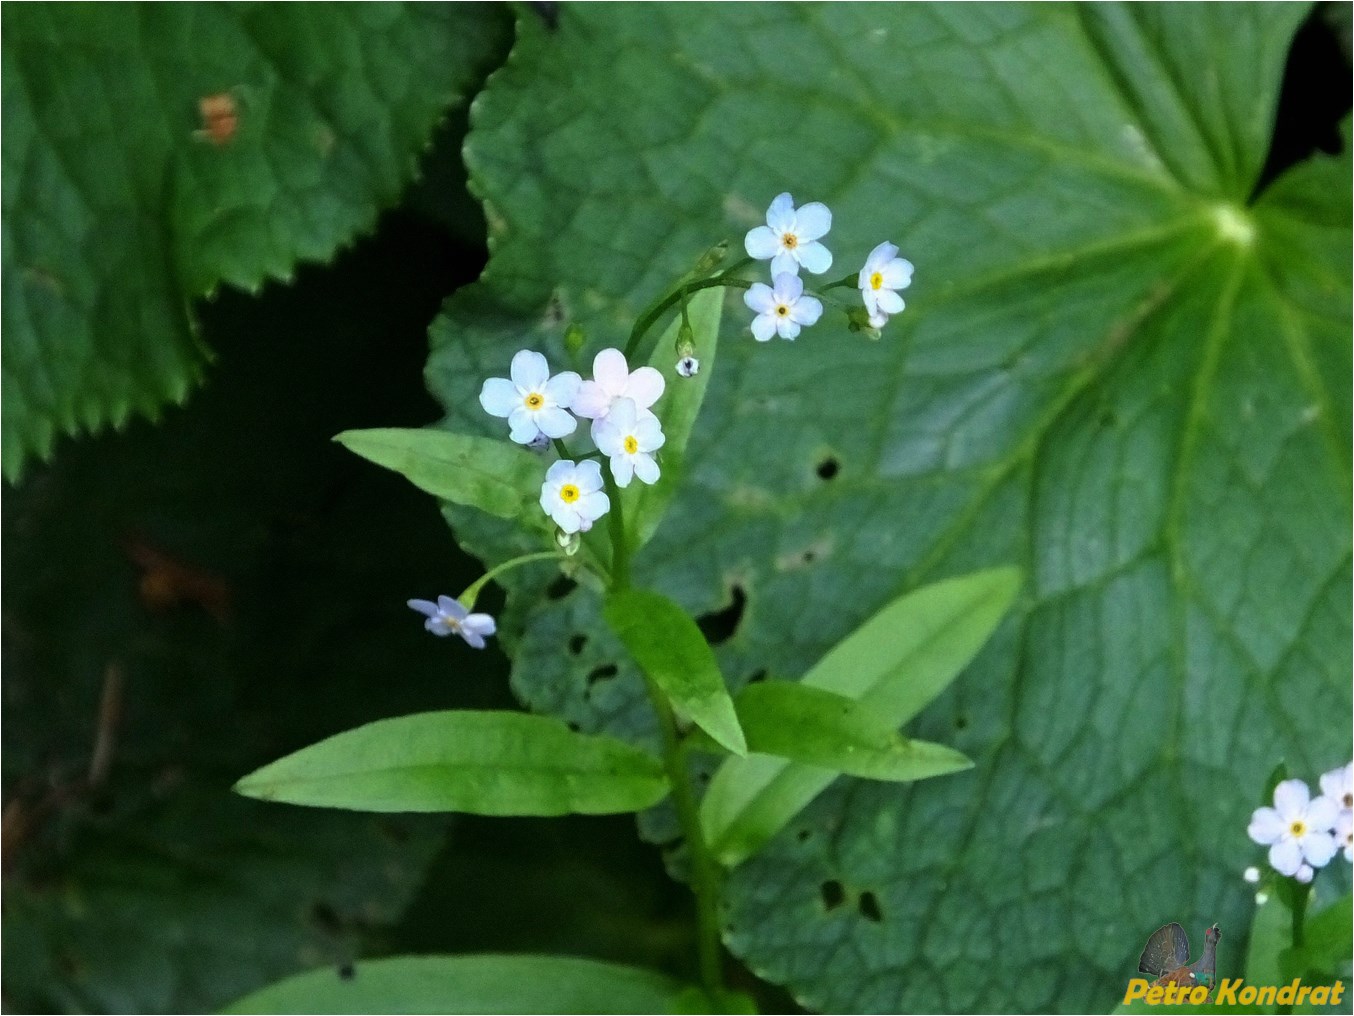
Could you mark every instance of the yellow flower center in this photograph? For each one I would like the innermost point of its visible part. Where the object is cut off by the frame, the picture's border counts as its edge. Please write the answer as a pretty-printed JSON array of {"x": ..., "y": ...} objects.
[
  {"x": 782, "y": 310},
  {"x": 790, "y": 241},
  {"x": 535, "y": 400},
  {"x": 1298, "y": 829},
  {"x": 631, "y": 445},
  {"x": 876, "y": 280},
  {"x": 569, "y": 493}
]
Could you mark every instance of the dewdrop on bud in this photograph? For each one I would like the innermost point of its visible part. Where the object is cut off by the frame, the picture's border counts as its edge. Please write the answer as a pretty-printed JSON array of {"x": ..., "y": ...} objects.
[
  {"x": 710, "y": 260},
  {"x": 688, "y": 366},
  {"x": 568, "y": 542},
  {"x": 574, "y": 339}
]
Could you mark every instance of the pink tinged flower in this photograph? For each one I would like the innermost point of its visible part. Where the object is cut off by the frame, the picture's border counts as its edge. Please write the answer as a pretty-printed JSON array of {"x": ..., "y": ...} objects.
[
  {"x": 572, "y": 495},
  {"x": 781, "y": 309},
  {"x": 629, "y": 438},
  {"x": 534, "y": 403},
  {"x": 790, "y": 237},
  {"x": 614, "y": 380},
  {"x": 1297, "y": 829},
  {"x": 883, "y": 275},
  {"x": 448, "y": 616}
]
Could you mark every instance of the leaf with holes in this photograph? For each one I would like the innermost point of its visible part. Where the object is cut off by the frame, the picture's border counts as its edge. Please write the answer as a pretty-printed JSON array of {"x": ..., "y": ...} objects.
[
  {"x": 1124, "y": 365},
  {"x": 154, "y": 151}
]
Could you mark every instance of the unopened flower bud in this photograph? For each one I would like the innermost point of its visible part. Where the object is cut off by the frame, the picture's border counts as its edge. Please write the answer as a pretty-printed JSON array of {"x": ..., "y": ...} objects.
[
  {"x": 860, "y": 320},
  {"x": 568, "y": 542},
  {"x": 574, "y": 338},
  {"x": 1251, "y": 875},
  {"x": 710, "y": 260},
  {"x": 539, "y": 443},
  {"x": 688, "y": 366}
]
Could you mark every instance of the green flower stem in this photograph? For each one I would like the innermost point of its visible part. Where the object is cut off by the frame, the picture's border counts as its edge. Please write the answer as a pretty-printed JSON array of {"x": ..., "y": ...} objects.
[
  {"x": 561, "y": 449},
  {"x": 620, "y": 551},
  {"x": 685, "y": 289},
  {"x": 848, "y": 280},
  {"x": 1300, "y": 915},
  {"x": 472, "y": 591}
]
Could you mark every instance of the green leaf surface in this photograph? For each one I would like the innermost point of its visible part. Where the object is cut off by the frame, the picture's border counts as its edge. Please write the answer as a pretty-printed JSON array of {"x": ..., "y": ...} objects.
[
  {"x": 644, "y": 504},
  {"x": 497, "y": 477},
  {"x": 1123, "y": 366},
  {"x": 120, "y": 206},
  {"x": 473, "y": 984},
  {"x": 892, "y": 666},
  {"x": 822, "y": 728},
  {"x": 485, "y": 763},
  {"x": 668, "y": 646}
]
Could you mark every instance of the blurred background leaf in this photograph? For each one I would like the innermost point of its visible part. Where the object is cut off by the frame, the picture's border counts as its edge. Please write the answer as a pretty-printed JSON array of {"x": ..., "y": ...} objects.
[{"x": 1124, "y": 366}]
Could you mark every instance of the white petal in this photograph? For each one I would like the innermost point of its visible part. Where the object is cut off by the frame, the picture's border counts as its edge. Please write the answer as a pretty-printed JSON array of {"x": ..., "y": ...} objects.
[
  {"x": 645, "y": 387},
  {"x": 889, "y": 302},
  {"x": 622, "y": 469},
  {"x": 563, "y": 388},
  {"x": 879, "y": 257},
  {"x": 592, "y": 401},
  {"x": 897, "y": 274},
  {"x": 623, "y": 414},
  {"x": 781, "y": 215},
  {"x": 871, "y": 299},
  {"x": 646, "y": 468},
  {"x": 482, "y": 623},
  {"x": 1322, "y": 813},
  {"x": 649, "y": 433},
  {"x": 588, "y": 476},
  {"x": 761, "y": 243},
  {"x": 878, "y": 320},
  {"x": 760, "y": 298},
  {"x": 812, "y": 221},
  {"x": 1318, "y": 848},
  {"x": 425, "y": 607},
  {"x": 437, "y": 626},
  {"x": 784, "y": 263},
  {"x": 559, "y": 472},
  {"x": 499, "y": 396},
  {"x": 529, "y": 370},
  {"x": 763, "y": 327},
  {"x": 522, "y": 425},
  {"x": 815, "y": 257},
  {"x": 1290, "y": 799},
  {"x": 473, "y": 639},
  {"x": 1266, "y": 826},
  {"x": 451, "y": 608},
  {"x": 787, "y": 288},
  {"x": 1285, "y": 856},
  {"x": 611, "y": 371},
  {"x": 566, "y": 516},
  {"x": 594, "y": 505},
  {"x": 608, "y": 438},
  {"x": 806, "y": 311},
  {"x": 787, "y": 329},
  {"x": 555, "y": 422}
]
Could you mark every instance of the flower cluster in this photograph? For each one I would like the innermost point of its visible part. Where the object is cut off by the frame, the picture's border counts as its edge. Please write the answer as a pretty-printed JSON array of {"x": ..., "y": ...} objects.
[
  {"x": 1303, "y": 833},
  {"x": 791, "y": 239}
]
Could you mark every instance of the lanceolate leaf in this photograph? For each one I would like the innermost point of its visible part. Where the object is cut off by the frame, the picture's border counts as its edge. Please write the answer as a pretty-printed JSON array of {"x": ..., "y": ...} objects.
[
  {"x": 895, "y": 664},
  {"x": 1124, "y": 365},
  {"x": 154, "y": 151},
  {"x": 821, "y": 728},
  {"x": 473, "y": 984},
  {"x": 668, "y": 646},
  {"x": 486, "y": 763},
  {"x": 497, "y": 477}
]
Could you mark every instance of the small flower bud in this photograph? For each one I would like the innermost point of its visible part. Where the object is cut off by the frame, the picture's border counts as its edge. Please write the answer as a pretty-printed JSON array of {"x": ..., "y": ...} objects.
[
  {"x": 1251, "y": 875},
  {"x": 574, "y": 338},
  {"x": 686, "y": 339},
  {"x": 568, "y": 542},
  {"x": 539, "y": 443},
  {"x": 1261, "y": 899},
  {"x": 859, "y": 320},
  {"x": 688, "y": 366},
  {"x": 710, "y": 260}
]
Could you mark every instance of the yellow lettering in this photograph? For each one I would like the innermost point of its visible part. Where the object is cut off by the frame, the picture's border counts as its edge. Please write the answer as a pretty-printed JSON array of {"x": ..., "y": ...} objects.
[
  {"x": 1336, "y": 990},
  {"x": 1154, "y": 994},
  {"x": 1137, "y": 988},
  {"x": 1227, "y": 991},
  {"x": 1320, "y": 995},
  {"x": 1198, "y": 995},
  {"x": 1265, "y": 995},
  {"x": 1288, "y": 992}
]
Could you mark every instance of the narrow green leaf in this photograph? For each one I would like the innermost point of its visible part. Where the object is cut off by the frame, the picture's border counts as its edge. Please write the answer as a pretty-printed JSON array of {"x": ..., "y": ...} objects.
[
  {"x": 644, "y": 505},
  {"x": 1328, "y": 940},
  {"x": 821, "y": 728},
  {"x": 893, "y": 665},
  {"x": 494, "y": 476},
  {"x": 473, "y": 984},
  {"x": 485, "y": 763},
  {"x": 668, "y": 646}
]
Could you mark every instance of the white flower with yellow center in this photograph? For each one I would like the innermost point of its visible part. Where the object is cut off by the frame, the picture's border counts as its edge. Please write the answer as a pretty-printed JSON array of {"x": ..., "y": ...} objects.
[
  {"x": 449, "y": 617},
  {"x": 572, "y": 495},
  {"x": 534, "y": 403},
  {"x": 629, "y": 438},
  {"x": 612, "y": 381},
  {"x": 781, "y": 309},
  {"x": 883, "y": 275},
  {"x": 790, "y": 237},
  {"x": 1338, "y": 785},
  {"x": 1297, "y": 829}
]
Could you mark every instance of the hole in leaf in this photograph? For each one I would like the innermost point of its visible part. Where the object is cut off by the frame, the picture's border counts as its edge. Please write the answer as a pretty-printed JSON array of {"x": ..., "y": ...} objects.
[
  {"x": 324, "y": 917},
  {"x": 833, "y": 894},
  {"x": 603, "y": 673},
  {"x": 960, "y": 722},
  {"x": 1314, "y": 99},
  {"x": 560, "y": 588},
  {"x": 868, "y": 905},
  {"x": 828, "y": 467},
  {"x": 803, "y": 835},
  {"x": 573, "y": 726},
  {"x": 576, "y": 644},
  {"x": 757, "y": 675},
  {"x": 718, "y": 626},
  {"x": 346, "y": 972}
]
